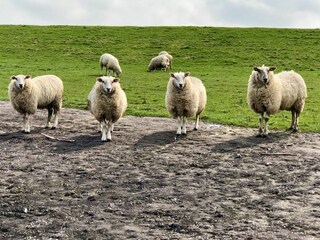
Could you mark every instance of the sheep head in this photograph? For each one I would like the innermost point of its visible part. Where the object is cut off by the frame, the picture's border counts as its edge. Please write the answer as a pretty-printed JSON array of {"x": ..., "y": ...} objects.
[
  {"x": 179, "y": 79},
  {"x": 108, "y": 83},
  {"x": 20, "y": 80},
  {"x": 263, "y": 74}
]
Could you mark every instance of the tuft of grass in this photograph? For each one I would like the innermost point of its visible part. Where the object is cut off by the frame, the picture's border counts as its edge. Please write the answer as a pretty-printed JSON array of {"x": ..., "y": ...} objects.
[{"x": 222, "y": 57}]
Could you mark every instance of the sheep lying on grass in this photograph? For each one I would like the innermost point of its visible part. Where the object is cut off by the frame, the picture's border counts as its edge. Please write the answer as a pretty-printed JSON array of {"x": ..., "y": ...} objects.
[
  {"x": 169, "y": 56},
  {"x": 107, "y": 102},
  {"x": 268, "y": 93},
  {"x": 29, "y": 94},
  {"x": 186, "y": 97},
  {"x": 111, "y": 63},
  {"x": 159, "y": 62}
]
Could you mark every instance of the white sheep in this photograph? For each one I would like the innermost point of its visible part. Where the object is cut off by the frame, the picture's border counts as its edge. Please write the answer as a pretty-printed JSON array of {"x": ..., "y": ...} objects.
[
  {"x": 268, "y": 93},
  {"x": 159, "y": 62},
  {"x": 169, "y": 56},
  {"x": 29, "y": 94},
  {"x": 186, "y": 97},
  {"x": 111, "y": 63},
  {"x": 107, "y": 103}
]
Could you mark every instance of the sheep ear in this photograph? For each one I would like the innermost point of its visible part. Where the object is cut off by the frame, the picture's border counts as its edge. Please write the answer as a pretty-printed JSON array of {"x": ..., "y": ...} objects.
[
  {"x": 99, "y": 79},
  {"x": 13, "y": 77},
  {"x": 116, "y": 80},
  {"x": 256, "y": 69},
  {"x": 27, "y": 77},
  {"x": 272, "y": 69},
  {"x": 172, "y": 75},
  {"x": 187, "y": 74}
]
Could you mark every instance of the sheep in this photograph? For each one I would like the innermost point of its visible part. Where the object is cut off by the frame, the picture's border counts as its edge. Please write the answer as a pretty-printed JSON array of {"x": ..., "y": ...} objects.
[
  {"x": 168, "y": 56},
  {"x": 159, "y": 62},
  {"x": 185, "y": 97},
  {"x": 28, "y": 94},
  {"x": 107, "y": 103},
  {"x": 268, "y": 93},
  {"x": 110, "y": 63}
]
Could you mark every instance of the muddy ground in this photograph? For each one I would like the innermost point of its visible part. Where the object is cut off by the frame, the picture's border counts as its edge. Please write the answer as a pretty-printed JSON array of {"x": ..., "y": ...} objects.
[{"x": 219, "y": 182}]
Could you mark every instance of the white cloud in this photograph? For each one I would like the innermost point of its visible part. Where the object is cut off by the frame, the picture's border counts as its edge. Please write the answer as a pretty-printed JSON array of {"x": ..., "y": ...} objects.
[{"x": 249, "y": 13}]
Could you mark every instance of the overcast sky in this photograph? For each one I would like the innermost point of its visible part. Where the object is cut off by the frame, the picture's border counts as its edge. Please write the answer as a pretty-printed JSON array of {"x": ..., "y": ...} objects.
[{"x": 217, "y": 13}]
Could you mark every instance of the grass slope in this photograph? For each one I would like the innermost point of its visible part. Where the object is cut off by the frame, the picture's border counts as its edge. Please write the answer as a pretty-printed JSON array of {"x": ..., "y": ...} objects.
[{"x": 222, "y": 57}]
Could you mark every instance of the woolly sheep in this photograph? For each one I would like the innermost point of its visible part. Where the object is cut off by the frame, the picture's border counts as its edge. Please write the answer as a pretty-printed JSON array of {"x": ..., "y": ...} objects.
[
  {"x": 186, "y": 97},
  {"x": 110, "y": 63},
  {"x": 268, "y": 93},
  {"x": 159, "y": 62},
  {"x": 168, "y": 56},
  {"x": 107, "y": 103},
  {"x": 29, "y": 94}
]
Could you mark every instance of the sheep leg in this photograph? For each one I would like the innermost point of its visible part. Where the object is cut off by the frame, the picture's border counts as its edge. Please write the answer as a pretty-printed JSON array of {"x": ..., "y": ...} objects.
[
  {"x": 110, "y": 128},
  {"x": 26, "y": 123},
  {"x": 196, "y": 126},
  {"x": 295, "y": 127},
  {"x": 260, "y": 133},
  {"x": 50, "y": 112},
  {"x": 104, "y": 131},
  {"x": 266, "y": 119},
  {"x": 179, "y": 126},
  {"x": 101, "y": 68},
  {"x": 293, "y": 120},
  {"x": 56, "y": 118},
  {"x": 184, "y": 127}
]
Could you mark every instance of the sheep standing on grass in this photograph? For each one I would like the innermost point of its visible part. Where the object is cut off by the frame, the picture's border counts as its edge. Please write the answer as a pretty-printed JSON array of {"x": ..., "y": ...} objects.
[
  {"x": 29, "y": 94},
  {"x": 169, "y": 56},
  {"x": 111, "y": 63},
  {"x": 268, "y": 93},
  {"x": 107, "y": 102},
  {"x": 186, "y": 97},
  {"x": 161, "y": 62}
]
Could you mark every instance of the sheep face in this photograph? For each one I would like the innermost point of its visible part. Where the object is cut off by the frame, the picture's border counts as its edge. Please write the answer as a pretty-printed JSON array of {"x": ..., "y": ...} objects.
[
  {"x": 20, "y": 80},
  {"x": 107, "y": 83},
  {"x": 179, "y": 79},
  {"x": 263, "y": 73}
]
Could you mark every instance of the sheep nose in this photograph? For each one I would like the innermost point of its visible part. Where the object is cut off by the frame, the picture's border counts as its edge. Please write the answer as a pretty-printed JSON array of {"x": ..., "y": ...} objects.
[
  {"x": 21, "y": 86},
  {"x": 180, "y": 85},
  {"x": 108, "y": 89},
  {"x": 265, "y": 80}
]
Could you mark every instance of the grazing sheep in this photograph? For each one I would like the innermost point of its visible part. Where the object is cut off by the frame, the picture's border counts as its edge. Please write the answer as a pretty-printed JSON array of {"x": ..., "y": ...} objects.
[
  {"x": 107, "y": 103},
  {"x": 29, "y": 94},
  {"x": 168, "y": 56},
  {"x": 159, "y": 62},
  {"x": 110, "y": 63},
  {"x": 268, "y": 93},
  {"x": 186, "y": 97}
]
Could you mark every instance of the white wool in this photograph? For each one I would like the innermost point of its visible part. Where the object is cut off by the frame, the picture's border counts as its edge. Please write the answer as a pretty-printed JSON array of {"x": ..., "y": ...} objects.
[
  {"x": 186, "y": 97},
  {"x": 29, "y": 94},
  {"x": 111, "y": 63},
  {"x": 268, "y": 93},
  {"x": 107, "y": 103}
]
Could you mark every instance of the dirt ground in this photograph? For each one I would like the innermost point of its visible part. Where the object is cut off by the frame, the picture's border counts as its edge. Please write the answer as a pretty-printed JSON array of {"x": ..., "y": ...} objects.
[{"x": 220, "y": 182}]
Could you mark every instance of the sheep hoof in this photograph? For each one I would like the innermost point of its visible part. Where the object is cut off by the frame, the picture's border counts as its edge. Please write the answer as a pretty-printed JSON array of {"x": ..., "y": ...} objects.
[
  {"x": 108, "y": 140},
  {"x": 195, "y": 129},
  {"x": 27, "y": 132},
  {"x": 53, "y": 128},
  {"x": 294, "y": 130}
]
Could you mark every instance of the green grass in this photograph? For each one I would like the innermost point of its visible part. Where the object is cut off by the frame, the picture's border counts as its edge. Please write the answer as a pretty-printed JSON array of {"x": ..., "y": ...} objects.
[{"x": 222, "y": 57}]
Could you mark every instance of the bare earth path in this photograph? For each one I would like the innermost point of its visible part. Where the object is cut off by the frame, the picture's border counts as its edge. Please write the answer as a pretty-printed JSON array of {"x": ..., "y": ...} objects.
[{"x": 216, "y": 183}]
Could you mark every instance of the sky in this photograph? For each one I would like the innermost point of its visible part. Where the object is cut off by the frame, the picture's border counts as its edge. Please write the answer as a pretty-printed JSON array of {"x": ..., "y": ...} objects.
[{"x": 213, "y": 13}]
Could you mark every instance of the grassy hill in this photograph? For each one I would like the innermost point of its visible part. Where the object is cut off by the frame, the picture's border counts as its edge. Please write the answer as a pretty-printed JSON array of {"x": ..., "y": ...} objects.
[{"x": 222, "y": 57}]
